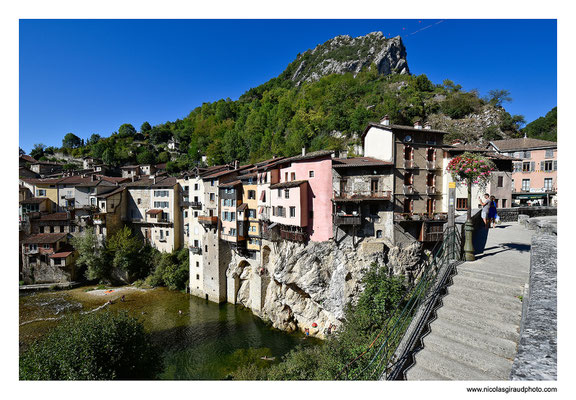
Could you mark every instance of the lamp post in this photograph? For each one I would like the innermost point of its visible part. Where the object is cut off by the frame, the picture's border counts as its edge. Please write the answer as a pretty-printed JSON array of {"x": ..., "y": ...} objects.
[{"x": 469, "y": 227}]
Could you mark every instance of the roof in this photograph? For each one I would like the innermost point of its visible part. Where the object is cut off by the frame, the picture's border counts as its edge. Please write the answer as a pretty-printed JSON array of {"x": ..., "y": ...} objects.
[
  {"x": 59, "y": 216},
  {"x": 154, "y": 212},
  {"x": 522, "y": 144},
  {"x": 106, "y": 195},
  {"x": 42, "y": 238},
  {"x": 289, "y": 184},
  {"x": 63, "y": 254},
  {"x": 74, "y": 179},
  {"x": 358, "y": 162},
  {"x": 98, "y": 182},
  {"x": 248, "y": 176},
  {"x": 161, "y": 166},
  {"x": 147, "y": 182},
  {"x": 478, "y": 149},
  {"x": 242, "y": 207},
  {"x": 230, "y": 184},
  {"x": 28, "y": 158},
  {"x": 399, "y": 127},
  {"x": 34, "y": 200},
  {"x": 219, "y": 174},
  {"x": 307, "y": 156},
  {"x": 38, "y": 181},
  {"x": 130, "y": 167}
]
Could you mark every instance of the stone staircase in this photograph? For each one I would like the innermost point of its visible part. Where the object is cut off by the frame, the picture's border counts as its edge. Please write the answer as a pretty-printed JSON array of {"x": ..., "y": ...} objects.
[{"x": 476, "y": 332}]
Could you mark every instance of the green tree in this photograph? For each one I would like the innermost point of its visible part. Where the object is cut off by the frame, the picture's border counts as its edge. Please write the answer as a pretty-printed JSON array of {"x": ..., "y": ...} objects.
[
  {"x": 37, "y": 151},
  {"x": 172, "y": 270},
  {"x": 126, "y": 130},
  {"x": 498, "y": 96},
  {"x": 71, "y": 141},
  {"x": 125, "y": 254},
  {"x": 21, "y": 152},
  {"x": 94, "y": 138},
  {"x": 163, "y": 157},
  {"x": 145, "y": 127},
  {"x": 146, "y": 157},
  {"x": 96, "y": 346},
  {"x": 92, "y": 256},
  {"x": 423, "y": 84}
]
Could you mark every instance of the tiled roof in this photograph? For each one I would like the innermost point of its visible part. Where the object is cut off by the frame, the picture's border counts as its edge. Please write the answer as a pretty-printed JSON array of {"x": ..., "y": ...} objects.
[
  {"x": 289, "y": 184},
  {"x": 42, "y": 238},
  {"x": 307, "y": 156},
  {"x": 248, "y": 176},
  {"x": 522, "y": 144},
  {"x": 219, "y": 174},
  {"x": 358, "y": 162},
  {"x": 161, "y": 166},
  {"x": 98, "y": 182},
  {"x": 75, "y": 179},
  {"x": 28, "y": 158},
  {"x": 63, "y": 254},
  {"x": 113, "y": 192},
  {"x": 37, "y": 181},
  {"x": 230, "y": 184},
  {"x": 130, "y": 167},
  {"x": 161, "y": 182},
  {"x": 242, "y": 207},
  {"x": 154, "y": 212}
]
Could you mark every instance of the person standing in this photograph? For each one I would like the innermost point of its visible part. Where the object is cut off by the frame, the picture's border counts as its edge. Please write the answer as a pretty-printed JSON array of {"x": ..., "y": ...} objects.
[
  {"x": 492, "y": 212},
  {"x": 485, "y": 204}
]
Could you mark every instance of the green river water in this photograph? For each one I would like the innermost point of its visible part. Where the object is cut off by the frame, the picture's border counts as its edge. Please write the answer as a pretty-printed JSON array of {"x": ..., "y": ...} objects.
[{"x": 199, "y": 339}]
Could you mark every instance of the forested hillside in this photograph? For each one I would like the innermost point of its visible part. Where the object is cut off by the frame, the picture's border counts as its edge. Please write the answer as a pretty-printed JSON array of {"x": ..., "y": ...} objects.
[
  {"x": 545, "y": 128},
  {"x": 282, "y": 116}
]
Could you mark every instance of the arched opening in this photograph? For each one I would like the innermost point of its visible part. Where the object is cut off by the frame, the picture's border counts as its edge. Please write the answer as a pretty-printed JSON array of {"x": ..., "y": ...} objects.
[
  {"x": 242, "y": 283},
  {"x": 265, "y": 256}
]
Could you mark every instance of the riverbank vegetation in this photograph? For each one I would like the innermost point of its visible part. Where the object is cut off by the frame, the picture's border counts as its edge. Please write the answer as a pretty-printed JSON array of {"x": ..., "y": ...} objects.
[
  {"x": 382, "y": 295},
  {"x": 123, "y": 259},
  {"x": 95, "y": 346}
]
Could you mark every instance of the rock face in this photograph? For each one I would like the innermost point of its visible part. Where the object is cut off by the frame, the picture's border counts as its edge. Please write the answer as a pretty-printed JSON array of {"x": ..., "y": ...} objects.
[
  {"x": 344, "y": 54},
  {"x": 312, "y": 284}
]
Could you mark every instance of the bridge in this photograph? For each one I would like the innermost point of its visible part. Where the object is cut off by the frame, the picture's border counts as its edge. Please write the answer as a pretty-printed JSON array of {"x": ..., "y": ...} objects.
[{"x": 477, "y": 329}]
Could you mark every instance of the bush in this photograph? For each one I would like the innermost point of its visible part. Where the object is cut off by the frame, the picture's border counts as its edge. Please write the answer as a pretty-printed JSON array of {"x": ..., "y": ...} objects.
[
  {"x": 172, "y": 270},
  {"x": 101, "y": 346},
  {"x": 458, "y": 105}
]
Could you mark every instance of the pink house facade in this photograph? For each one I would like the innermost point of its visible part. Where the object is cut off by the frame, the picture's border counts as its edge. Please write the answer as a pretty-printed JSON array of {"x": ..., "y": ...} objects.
[
  {"x": 534, "y": 179},
  {"x": 316, "y": 168}
]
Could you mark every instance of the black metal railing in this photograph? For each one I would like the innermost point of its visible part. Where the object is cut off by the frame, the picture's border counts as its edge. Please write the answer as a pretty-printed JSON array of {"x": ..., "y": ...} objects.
[{"x": 380, "y": 359}]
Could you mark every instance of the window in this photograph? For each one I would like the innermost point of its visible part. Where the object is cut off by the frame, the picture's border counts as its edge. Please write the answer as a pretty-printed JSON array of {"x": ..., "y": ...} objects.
[
  {"x": 161, "y": 193},
  {"x": 517, "y": 167},
  {"x": 547, "y": 184},
  {"x": 212, "y": 197},
  {"x": 374, "y": 186},
  {"x": 41, "y": 229},
  {"x": 512, "y": 181},
  {"x": 526, "y": 185},
  {"x": 197, "y": 264},
  {"x": 72, "y": 228},
  {"x": 293, "y": 176},
  {"x": 185, "y": 214},
  {"x": 139, "y": 201},
  {"x": 61, "y": 229},
  {"x": 379, "y": 234},
  {"x": 232, "y": 232},
  {"x": 212, "y": 182},
  {"x": 51, "y": 229},
  {"x": 232, "y": 216},
  {"x": 285, "y": 176},
  {"x": 197, "y": 277},
  {"x": 161, "y": 204},
  {"x": 195, "y": 214},
  {"x": 33, "y": 247},
  {"x": 286, "y": 193},
  {"x": 374, "y": 208},
  {"x": 167, "y": 233},
  {"x": 251, "y": 213},
  {"x": 407, "y": 205},
  {"x": 280, "y": 211},
  {"x": 504, "y": 203},
  {"x": 205, "y": 247},
  {"x": 46, "y": 246},
  {"x": 225, "y": 217},
  {"x": 549, "y": 153},
  {"x": 57, "y": 261},
  {"x": 292, "y": 212},
  {"x": 273, "y": 211},
  {"x": 279, "y": 193},
  {"x": 311, "y": 174},
  {"x": 526, "y": 154},
  {"x": 500, "y": 181},
  {"x": 186, "y": 189},
  {"x": 462, "y": 203},
  {"x": 526, "y": 166},
  {"x": 40, "y": 192},
  {"x": 251, "y": 195},
  {"x": 547, "y": 165}
]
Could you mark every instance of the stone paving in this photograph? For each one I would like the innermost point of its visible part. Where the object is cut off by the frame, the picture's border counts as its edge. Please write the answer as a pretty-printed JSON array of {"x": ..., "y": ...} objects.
[{"x": 476, "y": 333}]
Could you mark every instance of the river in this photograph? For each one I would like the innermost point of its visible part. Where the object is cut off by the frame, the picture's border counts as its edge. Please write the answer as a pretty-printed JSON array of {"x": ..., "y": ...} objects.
[{"x": 199, "y": 339}]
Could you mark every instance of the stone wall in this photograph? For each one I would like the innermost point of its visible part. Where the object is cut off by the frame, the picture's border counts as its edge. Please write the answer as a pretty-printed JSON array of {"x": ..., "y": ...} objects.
[{"x": 511, "y": 214}]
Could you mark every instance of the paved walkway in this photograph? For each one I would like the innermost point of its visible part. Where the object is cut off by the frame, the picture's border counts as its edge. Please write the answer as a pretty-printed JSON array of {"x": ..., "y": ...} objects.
[{"x": 476, "y": 334}]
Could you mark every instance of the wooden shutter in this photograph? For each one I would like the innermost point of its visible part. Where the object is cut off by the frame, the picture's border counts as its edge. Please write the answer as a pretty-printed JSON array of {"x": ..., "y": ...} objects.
[
  {"x": 541, "y": 165},
  {"x": 555, "y": 165},
  {"x": 532, "y": 166}
]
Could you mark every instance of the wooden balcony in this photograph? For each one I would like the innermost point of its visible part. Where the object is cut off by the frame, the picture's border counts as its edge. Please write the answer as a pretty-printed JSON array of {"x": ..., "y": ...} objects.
[
  {"x": 362, "y": 196},
  {"x": 347, "y": 220},
  {"x": 293, "y": 236},
  {"x": 207, "y": 220}
]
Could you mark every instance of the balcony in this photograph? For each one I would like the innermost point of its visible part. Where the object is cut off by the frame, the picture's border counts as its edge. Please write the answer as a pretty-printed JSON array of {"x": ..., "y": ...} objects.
[
  {"x": 347, "y": 220},
  {"x": 409, "y": 189},
  {"x": 195, "y": 204},
  {"x": 195, "y": 250},
  {"x": 207, "y": 220},
  {"x": 366, "y": 195},
  {"x": 409, "y": 164},
  {"x": 293, "y": 236}
]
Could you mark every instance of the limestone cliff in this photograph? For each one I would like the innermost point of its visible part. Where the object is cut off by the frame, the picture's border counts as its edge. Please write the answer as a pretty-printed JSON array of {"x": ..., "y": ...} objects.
[{"x": 346, "y": 54}]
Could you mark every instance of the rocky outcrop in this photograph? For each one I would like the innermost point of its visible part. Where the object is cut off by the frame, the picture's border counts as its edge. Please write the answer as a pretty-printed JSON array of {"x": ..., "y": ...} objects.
[
  {"x": 472, "y": 127},
  {"x": 344, "y": 54}
]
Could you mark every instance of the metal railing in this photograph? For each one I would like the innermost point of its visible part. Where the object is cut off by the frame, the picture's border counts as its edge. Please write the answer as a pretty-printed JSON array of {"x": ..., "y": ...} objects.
[{"x": 381, "y": 360}]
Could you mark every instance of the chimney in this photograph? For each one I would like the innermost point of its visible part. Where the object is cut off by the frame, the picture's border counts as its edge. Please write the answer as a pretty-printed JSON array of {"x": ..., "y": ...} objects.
[
  {"x": 132, "y": 178},
  {"x": 427, "y": 126},
  {"x": 154, "y": 178},
  {"x": 385, "y": 120},
  {"x": 92, "y": 178},
  {"x": 417, "y": 125},
  {"x": 303, "y": 151}
]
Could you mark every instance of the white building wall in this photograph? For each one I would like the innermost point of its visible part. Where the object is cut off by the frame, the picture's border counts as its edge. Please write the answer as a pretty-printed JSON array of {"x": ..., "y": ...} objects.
[{"x": 379, "y": 143}]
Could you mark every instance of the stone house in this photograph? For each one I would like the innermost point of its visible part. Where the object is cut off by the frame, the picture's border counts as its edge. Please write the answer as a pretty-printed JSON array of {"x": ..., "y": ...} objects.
[
  {"x": 363, "y": 198},
  {"x": 416, "y": 153},
  {"x": 46, "y": 167},
  {"x": 47, "y": 258}
]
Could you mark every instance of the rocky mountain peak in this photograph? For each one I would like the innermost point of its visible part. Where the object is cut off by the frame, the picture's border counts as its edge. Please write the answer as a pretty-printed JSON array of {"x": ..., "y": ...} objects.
[{"x": 343, "y": 54}]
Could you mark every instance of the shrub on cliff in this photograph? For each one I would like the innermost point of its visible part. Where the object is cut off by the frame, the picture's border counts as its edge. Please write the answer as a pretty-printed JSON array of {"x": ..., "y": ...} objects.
[{"x": 99, "y": 346}]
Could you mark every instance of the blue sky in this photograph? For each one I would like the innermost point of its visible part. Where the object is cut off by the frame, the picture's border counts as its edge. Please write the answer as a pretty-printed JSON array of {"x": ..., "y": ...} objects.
[{"x": 91, "y": 76}]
